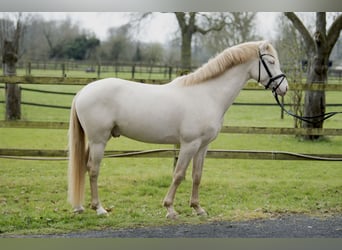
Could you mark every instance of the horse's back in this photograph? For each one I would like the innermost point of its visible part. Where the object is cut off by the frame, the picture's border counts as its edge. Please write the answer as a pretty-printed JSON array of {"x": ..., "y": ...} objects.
[{"x": 100, "y": 89}]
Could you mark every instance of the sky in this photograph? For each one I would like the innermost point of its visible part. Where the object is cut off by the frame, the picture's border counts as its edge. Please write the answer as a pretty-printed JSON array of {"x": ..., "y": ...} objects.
[{"x": 160, "y": 28}]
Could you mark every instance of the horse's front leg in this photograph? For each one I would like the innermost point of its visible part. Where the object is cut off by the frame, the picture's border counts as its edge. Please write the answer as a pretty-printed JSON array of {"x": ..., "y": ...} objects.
[
  {"x": 196, "y": 180},
  {"x": 96, "y": 152},
  {"x": 186, "y": 153}
]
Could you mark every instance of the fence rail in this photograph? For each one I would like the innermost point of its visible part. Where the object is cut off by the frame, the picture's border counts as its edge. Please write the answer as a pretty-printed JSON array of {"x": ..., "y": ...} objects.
[
  {"x": 149, "y": 70},
  {"x": 44, "y": 80},
  {"x": 118, "y": 68},
  {"x": 225, "y": 129},
  {"x": 61, "y": 155}
]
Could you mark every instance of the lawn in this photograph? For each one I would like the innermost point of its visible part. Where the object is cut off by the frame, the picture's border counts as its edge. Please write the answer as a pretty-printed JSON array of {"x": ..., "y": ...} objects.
[{"x": 33, "y": 193}]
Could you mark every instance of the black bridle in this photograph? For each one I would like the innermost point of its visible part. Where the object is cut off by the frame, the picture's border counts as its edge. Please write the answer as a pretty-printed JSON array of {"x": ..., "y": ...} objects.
[
  {"x": 308, "y": 119},
  {"x": 272, "y": 78}
]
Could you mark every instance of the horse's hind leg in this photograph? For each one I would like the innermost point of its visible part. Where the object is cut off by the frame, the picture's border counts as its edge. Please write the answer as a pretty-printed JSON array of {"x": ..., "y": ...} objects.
[
  {"x": 96, "y": 152},
  {"x": 196, "y": 180}
]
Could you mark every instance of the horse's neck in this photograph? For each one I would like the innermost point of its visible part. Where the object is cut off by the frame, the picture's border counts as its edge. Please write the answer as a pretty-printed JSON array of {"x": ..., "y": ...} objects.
[{"x": 228, "y": 86}]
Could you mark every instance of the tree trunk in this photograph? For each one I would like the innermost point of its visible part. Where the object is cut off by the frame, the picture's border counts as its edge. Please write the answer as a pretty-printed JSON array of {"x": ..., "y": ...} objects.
[
  {"x": 314, "y": 102},
  {"x": 186, "y": 51},
  {"x": 13, "y": 95},
  {"x": 187, "y": 27},
  {"x": 13, "y": 99}
]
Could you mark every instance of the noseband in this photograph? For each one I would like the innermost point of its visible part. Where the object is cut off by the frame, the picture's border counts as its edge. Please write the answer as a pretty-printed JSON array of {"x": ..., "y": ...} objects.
[{"x": 272, "y": 78}]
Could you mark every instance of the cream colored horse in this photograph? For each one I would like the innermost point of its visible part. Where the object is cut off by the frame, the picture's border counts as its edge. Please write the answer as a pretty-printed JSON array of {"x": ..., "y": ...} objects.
[{"x": 188, "y": 111}]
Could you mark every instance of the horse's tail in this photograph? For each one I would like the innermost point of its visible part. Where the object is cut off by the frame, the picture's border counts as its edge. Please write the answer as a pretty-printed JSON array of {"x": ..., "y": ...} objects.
[{"x": 78, "y": 155}]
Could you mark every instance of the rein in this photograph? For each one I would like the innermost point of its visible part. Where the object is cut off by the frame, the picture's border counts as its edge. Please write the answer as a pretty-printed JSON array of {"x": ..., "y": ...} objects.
[{"x": 308, "y": 119}]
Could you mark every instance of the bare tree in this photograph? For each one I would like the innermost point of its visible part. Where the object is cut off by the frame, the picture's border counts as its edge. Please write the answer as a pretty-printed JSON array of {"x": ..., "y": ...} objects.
[
  {"x": 10, "y": 35},
  {"x": 318, "y": 49},
  {"x": 58, "y": 34},
  {"x": 195, "y": 22},
  {"x": 33, "y": 44},
  {"x": 240, "y": 27},
  {"x": 189, "y": 24},
  {"x": 153, "y": 52}
]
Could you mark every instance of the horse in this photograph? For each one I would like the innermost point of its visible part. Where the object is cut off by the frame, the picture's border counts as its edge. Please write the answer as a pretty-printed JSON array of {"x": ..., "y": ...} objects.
[{"x": 188, "y": 111}]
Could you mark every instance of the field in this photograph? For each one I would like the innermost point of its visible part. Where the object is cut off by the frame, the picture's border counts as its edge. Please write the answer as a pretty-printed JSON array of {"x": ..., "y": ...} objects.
[{"x": 33, "y": 193}]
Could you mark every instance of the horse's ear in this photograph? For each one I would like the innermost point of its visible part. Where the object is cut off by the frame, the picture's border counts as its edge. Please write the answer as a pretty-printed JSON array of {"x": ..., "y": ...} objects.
[{"x": 264, "y": 46}]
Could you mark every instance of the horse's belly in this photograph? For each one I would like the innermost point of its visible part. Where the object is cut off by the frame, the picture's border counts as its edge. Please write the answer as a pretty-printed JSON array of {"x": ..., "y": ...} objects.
[
  {"x": 155, "y": 119},
  {"x": 150, "y": 134}
]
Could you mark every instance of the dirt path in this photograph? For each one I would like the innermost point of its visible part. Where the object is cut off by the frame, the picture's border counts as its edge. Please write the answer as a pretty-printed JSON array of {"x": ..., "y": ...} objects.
[{"x": 290, "y": 226}]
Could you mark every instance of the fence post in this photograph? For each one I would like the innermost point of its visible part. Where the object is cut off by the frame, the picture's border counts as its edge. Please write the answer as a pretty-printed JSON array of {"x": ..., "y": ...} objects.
[
  {"x": 133, "y": 71},
  {"x": 63, "y": 70},
  {"x": 12, "y": 91},
  {"x": 170, "y": 73},
  {"x": 98, "y": 70},
  {"x": 28, "y": 69},
  {"x": 116, "y": 69}
]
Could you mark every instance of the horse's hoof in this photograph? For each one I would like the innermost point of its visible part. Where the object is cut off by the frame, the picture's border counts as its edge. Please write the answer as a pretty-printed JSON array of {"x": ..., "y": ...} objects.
[
  {"x": 202, "y": 213},
  {"x": 78, "y": 210},
  {"x": 101, "y": 212},
  {"x": 172, "y": 216}
]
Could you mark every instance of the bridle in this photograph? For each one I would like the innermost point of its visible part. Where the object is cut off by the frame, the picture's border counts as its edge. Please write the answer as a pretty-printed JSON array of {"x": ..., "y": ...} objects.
[
  {"x": 308, "y": 119},
  {"x": 272, "y": 78}
]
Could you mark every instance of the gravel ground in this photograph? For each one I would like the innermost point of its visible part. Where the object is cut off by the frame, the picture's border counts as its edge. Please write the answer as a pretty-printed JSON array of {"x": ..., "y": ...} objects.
[{"x": 290, "y": 226}]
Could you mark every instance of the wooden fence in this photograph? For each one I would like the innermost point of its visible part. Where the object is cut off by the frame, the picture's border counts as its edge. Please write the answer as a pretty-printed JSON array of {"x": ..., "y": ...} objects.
[
  {"x": 44, "y": 80},
  {"x": 149, "y": 69},
  {"x": 61, "y": 155},
  {"x": 225, "y": 129},
  {"x": 117, "y": 69},
  {"x": 266, "y": 155},
  {"x": 30, "y": 154}
]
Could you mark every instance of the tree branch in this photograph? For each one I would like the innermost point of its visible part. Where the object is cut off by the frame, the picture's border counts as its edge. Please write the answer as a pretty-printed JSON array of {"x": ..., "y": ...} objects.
[
  {"x": 214, "y": 27},
  {"x": 321, "y": 22},
  {"x": 334, "y": 33},
  {"x": 47, "y": 36},
  {"x": 18, "y": 32},
  {"x": 298, "y": 24},
  {"x": 181, "y": 19}
]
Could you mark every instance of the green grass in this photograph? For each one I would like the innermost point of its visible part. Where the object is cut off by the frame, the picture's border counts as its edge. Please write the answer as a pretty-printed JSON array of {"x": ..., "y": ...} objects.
[{"x": 33, "y": 193}]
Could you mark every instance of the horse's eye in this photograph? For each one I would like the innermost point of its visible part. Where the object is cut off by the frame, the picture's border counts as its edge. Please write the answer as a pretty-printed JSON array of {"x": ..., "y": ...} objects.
[{"x": 271, "y": 61}]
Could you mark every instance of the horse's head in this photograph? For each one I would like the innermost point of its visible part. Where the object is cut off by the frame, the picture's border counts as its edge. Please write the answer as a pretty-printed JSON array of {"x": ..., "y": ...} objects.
[{"x": 268, "y": 71}]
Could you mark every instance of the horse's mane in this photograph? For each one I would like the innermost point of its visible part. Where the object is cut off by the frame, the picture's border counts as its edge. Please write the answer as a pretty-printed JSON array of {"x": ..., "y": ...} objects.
[{"x": 227, "y": 59}]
